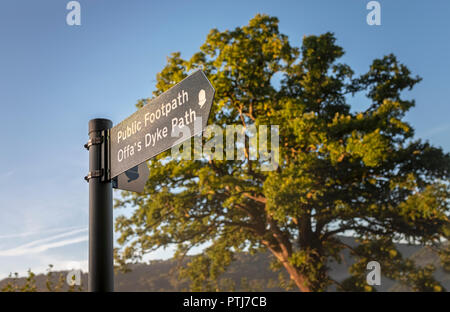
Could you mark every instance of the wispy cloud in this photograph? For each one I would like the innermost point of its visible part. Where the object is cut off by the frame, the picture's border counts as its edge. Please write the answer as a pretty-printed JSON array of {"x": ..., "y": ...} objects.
[
  {"x": 25, "y": 234},
  {"x": 437, "y": 130},
  {"x": 44, "y": 244},
  {"x": 6, "y": 174}
]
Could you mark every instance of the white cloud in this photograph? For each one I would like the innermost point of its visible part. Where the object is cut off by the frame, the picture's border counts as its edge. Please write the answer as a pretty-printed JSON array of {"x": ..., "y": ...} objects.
[
  {"x": 44, "y": 244},
  {"x": 436, "y": 130},
  {"x": 6, "y": 174},
  {"x": 25, "y": 234}
]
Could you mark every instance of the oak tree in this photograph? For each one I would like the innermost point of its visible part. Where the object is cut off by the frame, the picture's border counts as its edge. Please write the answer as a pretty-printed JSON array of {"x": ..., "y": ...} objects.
[{"x": 342, "y": 170}]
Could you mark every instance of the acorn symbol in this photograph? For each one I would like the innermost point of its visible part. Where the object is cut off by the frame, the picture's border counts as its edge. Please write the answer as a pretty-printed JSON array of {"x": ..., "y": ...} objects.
[{"x": 201, "y": 98}]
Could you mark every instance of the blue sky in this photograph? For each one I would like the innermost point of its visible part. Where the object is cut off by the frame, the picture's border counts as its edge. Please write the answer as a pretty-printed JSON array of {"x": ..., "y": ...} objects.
[{"x": 55, "y": 77}]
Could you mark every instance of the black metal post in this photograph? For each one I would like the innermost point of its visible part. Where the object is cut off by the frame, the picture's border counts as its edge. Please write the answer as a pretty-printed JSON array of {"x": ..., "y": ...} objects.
[{"x": 101, "y": 273}]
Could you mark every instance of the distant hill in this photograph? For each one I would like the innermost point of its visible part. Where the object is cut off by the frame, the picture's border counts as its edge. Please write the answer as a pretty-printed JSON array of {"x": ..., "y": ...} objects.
[
  {"x": 246, "y": 273},
  {"x": 423, "y": 257}
]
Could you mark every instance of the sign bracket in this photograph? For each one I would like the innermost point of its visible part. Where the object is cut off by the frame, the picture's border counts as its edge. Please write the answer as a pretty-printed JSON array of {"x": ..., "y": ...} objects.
[
  {"x": 105, "y": 157},
  {"x": 93, "y": 141},
  {"x": 105, "y": 171},
  {"x": 94, "y": 174}
]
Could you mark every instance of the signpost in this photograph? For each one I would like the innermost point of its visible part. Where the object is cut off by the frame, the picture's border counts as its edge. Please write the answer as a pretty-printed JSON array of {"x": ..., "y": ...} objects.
[{"x": 117, "y": 159}]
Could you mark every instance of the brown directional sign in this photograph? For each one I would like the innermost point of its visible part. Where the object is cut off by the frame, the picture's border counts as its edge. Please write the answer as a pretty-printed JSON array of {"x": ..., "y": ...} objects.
[
  {"x": 133, "y": 179},
  {"x": 159, "y": 125}
]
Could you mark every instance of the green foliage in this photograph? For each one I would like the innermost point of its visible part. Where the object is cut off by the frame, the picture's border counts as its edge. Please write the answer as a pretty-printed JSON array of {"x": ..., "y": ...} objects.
[
  {"x": 445, "y": 258},
  {"x": 13, "y": 286},
  {"x": 341, "y": 171},
  {"x": 29, "y": 284},
  {"x": 393, "y": 266}
]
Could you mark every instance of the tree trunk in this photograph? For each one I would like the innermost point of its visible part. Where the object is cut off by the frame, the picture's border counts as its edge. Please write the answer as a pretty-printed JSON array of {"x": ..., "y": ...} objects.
[
  {"x": 298, "y": 278},
  {"x": 281, "y": 248}
]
